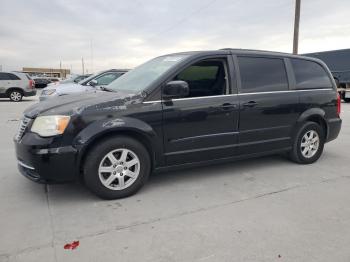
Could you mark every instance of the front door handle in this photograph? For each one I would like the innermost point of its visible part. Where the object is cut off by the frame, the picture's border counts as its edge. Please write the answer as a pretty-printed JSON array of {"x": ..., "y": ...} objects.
[{"x": 250, "y": 104}]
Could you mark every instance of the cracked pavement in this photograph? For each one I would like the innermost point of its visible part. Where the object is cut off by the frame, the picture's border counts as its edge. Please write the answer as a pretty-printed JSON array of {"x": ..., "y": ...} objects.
[{"x": 266, "y": 209}]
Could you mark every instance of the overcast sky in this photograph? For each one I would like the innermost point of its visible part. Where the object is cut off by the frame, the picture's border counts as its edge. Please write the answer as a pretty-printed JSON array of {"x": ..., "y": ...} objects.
[{"x": 125, "y": 33}]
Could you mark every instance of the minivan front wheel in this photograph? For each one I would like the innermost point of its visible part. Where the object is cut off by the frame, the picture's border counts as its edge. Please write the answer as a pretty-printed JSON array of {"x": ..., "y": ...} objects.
[
  {"x": 117, "y": 167},
  {"x": 15, "y": 95},
  {"x": 308, "y": 143}
]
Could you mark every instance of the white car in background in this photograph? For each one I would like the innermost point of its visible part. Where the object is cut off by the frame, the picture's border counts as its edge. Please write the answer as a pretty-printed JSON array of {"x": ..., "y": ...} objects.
[
  {"x": 91, "y": 83},
  {"x": 71, "y": 79},
  {"x": 16, "y": 85}
]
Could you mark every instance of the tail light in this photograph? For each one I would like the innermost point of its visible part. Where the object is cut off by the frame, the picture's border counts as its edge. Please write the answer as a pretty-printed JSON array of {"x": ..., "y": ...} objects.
[
  {"x": 31, "y": 83},
  {"x": 338, "y": 104}
]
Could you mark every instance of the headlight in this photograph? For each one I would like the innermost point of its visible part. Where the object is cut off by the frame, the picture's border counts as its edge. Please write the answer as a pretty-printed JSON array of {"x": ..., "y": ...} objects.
[
  {"x": 50, "y": 125},
  {"x": 48, "y": 92}
]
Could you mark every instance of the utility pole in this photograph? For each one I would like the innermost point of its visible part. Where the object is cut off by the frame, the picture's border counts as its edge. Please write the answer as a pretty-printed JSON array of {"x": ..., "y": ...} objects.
[
  {"x": 296, "y": 27},
  {"x": 82, "y": 64},
  {"x": 91, "y": 57},
  {"x": 61, "y": 69}
]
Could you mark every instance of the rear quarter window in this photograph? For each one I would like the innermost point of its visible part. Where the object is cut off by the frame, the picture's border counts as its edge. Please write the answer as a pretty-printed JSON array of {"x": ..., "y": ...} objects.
[
  {"x": 13, "y": 77},
  {"x": 310, "y": 75}
]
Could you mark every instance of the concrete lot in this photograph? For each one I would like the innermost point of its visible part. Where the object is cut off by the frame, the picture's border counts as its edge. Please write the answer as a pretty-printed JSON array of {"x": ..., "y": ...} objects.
[{"x": 266, "y": 209}]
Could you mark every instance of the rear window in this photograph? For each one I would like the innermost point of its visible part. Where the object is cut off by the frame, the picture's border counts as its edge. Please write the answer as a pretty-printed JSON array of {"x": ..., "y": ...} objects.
[
  {"x": 309, "y": 75},
  {"x": 260, "y": 74}
]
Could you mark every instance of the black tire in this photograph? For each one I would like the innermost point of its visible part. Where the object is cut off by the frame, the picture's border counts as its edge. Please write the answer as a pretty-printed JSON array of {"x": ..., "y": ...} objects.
[
  {"x": 98, "y": 153},
  {"x": 346, "y": 100},
  {"x": 15, "y": 95},
  {"x": 296, "y": 154}
]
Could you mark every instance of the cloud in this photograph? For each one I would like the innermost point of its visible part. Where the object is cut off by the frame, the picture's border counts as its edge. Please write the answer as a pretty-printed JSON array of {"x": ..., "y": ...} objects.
[{"x": 125, "y": 33}]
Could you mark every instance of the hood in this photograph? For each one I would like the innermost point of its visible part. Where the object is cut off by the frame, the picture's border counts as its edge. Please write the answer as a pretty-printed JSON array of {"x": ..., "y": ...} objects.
[
  {"x": 77, "y": 103},
  {"x": 63, "y": 88}
]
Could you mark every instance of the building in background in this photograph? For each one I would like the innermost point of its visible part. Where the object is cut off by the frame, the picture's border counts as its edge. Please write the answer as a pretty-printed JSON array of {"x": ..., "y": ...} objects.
[
  {"x": 338, "y": 61},
  {"x": 52, "y": 72}
]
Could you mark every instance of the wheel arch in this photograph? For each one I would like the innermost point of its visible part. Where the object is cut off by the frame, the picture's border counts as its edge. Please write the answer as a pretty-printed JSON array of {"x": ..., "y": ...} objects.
[
  {"x": 143, "y": 134},
  {"x": 316, "y": 115},
  {"x": 9, "y": 90}
]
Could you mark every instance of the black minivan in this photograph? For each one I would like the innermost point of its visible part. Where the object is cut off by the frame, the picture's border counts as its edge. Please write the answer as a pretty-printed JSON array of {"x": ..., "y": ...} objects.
[{"x": 181, "y": 110}]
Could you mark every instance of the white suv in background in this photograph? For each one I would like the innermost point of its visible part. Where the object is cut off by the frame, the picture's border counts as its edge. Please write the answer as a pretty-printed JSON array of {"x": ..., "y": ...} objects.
[{"x": 15, "y": 85}]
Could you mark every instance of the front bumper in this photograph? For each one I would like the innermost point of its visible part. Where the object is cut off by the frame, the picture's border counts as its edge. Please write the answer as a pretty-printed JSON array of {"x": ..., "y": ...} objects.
[
  {"x": 334, "y": 126},
  {"x": 42, "y": 163},
  {"x": 29, "y": 93}
]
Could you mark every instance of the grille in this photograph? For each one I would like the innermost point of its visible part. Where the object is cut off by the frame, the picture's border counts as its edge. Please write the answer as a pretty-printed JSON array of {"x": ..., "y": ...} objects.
[{"x": 22, "y": 127}]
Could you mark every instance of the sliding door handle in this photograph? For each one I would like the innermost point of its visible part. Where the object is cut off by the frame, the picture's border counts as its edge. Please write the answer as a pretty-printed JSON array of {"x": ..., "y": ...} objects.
[
  {"x": 250, "y": 104},
  {"x": 229, "y": 106}
]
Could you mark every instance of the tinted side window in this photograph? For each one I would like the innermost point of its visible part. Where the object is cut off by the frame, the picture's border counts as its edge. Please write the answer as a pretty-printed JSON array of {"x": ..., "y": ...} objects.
[
  {"x": 13, "y": 77},
  {"x": 5, "y": 76},
  {"x": 2, "y": 76},
  {"x": 205, "y": 78},
  {"x": 195, "y": 73},
  {"x": 309, "y": 74},
  {"x": 262, "y": 74}
]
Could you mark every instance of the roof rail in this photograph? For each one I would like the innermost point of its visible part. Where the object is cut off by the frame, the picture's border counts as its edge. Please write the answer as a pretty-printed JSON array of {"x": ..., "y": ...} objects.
[{"x": 252, "y": 50}]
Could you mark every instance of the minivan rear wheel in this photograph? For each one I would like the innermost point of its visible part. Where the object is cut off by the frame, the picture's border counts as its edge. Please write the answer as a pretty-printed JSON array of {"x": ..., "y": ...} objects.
[
  {"x": 308, "y": 143},
  {"x": 15, "y": 95},
  {"x": 117, "y": 167}
]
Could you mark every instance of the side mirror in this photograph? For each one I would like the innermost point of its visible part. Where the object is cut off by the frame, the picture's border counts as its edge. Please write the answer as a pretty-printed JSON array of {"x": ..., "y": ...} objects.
[
  {"x": 93, "y": 83},
  {"x": 176, "y": 89}
]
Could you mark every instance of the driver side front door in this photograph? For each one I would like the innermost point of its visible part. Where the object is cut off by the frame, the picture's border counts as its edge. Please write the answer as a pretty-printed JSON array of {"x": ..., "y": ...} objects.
[{"x": 203, "y": 125}]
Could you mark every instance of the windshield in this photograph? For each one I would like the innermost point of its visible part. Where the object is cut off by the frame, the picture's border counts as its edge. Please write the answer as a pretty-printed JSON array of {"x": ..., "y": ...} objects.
[
  {"x": 142, "y": 76},
  {"x": 86, "y": 80},
  {"x": 66, "y": 81}
]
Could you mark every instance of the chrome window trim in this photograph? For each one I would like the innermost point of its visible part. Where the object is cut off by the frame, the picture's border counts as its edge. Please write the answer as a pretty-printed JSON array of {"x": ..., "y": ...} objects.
[
  {"x": 286, "y": 91},
  {"x": 201, "y": 97},
  {"x": 24, "y": 165},
  {"x": 187, "y": 98},
  {"x": 241, "y": 94}
]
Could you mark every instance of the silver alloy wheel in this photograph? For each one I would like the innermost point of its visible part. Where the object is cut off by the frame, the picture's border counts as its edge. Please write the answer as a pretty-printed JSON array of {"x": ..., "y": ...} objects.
[
  {"x": 119, "y": 169},
  {"x": 310, "y": 144},
  {"x": 16, "y": 96}
]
